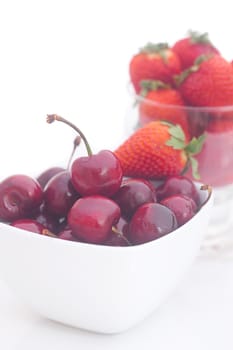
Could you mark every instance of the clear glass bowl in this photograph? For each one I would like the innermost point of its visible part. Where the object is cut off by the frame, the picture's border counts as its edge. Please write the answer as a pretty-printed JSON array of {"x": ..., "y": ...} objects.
[{"x": 215, "y": 159}]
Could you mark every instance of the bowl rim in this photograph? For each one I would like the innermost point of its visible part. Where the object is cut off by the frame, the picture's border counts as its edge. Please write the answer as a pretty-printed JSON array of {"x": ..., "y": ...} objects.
[
  {"x": 205, "y": 109},
  {"x": 31, "y": 235}
]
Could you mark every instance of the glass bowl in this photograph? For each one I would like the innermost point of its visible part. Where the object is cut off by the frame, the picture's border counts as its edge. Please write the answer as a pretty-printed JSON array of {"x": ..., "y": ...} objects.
[{"x": 215, "y": 161}]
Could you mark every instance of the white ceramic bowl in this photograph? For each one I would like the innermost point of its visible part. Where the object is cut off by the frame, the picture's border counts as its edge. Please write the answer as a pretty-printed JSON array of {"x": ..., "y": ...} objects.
[{"x": 98, "y": 288}]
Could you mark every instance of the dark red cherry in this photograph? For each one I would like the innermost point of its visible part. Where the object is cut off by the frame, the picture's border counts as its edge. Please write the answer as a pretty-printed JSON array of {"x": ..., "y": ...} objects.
[
  {"x": 95, "y": 174},
  {"x": 46, "y": 175},
  {"x": 151, "y": 221},
  {"x": 91, "y": 218},
  {"x": 20, "y": 195},
  {"x": 183, "y": 207},
  {"x": 29, "y": 225},
  {"x": 177, "y": 185},
  {"x": 122, "y": 226},
  {"x": 117, "y": 240},
  {"x": 67, "y": 235},
  {"x": 132, "y": 194},
  {"x": 52, "y": 222},
  {"x": 59, "y": 194}
]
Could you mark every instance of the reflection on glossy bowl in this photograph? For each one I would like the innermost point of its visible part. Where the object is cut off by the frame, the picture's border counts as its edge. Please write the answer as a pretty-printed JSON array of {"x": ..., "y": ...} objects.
[{"x": 98, "y": 288}]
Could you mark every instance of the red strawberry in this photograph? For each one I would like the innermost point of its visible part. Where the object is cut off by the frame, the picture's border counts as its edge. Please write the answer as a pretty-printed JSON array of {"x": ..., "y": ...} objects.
[
  {"x": 191, "y": 47},
  {"x": 161, "y": 102},
  {"x": 209, "y": 82},
  {"x": 218, "y": 125},
  {"x": 158, "y": 150},
  {"x": 154, "y": 61}
]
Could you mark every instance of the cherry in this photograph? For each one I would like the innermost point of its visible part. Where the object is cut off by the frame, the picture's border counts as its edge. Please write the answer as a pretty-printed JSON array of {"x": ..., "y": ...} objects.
[
  {"x": 51, "y": 222},
  {"x": 183, "y": 207},
  {"x": 29, "y": 225},
  {"x": 92, "y": 218},
  {"x": 132, "y": 194},
  {"x": 177, "y": 185},
  {"x": 95, "y": 174},
  {"x": 67, "y": 235},
  {"x": 59, "y": 194},
  {"x": 117, "y": 240},
  {"x": 151, "y": 221},
  {"x": 122, "y": 226},
  {"x": 20, "y": 195},
  {"x": 46, "y": 175}
]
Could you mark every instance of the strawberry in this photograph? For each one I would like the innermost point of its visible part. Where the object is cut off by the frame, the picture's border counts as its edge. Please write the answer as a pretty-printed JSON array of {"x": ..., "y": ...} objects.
[
  {"x": 208, "y": 83},
  {"x": 217, "y": 125},
  {"x": 154, "y": 61},
  {"x": 191, "y": 47},
  {"x": 157, "y": 150},
  {"x": 161, "y": 101}
]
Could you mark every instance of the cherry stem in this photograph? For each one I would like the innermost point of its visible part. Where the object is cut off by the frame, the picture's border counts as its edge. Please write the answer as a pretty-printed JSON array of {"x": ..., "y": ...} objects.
[
  {"x": 46, "y": 232},
  {"x": 206, "y": 188},
  {"x": 76, "y": 143},
  {"x": 119, "y": 233},
  {"x": 52, "y": 117}
]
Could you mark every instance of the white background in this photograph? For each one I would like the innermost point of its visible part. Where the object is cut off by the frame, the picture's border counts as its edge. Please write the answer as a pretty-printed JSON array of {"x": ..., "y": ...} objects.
[{"x": 71, "y": 58}]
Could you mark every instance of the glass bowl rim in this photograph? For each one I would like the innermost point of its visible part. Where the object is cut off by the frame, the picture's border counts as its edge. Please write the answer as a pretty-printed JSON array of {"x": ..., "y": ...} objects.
[{"x": 207, "y": 109}]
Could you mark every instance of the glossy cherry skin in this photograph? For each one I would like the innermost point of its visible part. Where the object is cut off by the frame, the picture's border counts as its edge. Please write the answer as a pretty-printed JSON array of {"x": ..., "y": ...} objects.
[
  {"x": 46, "y": 175},
  {"x": 51, "y": 222},
  {"x": 29, "y": 225},
  {"x": 177, "y": 185},
  {"x": 151, "y": 221},
  {"x": 97, "y": 174},
  {"x": 132, "y": 194},
  {"x": 59, "y": 194},
  {"x": 20, "y": 195},
  {"x": 91, "y": 218},
  {"x": 122, "y": 226},
  {"x": 116, "y": 240},
  {"x": 67, "y": 235},
  {"x": 183, "y": 207}
]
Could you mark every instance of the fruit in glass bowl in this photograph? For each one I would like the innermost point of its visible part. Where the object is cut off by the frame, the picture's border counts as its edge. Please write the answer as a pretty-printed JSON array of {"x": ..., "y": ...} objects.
[
  {"x": 96, "y": 268},
  {"x": 199, "y": 98}
]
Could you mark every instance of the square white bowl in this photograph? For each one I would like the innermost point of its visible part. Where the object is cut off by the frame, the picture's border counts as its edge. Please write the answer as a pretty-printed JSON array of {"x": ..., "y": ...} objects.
[{"x": 98, "y": 288}]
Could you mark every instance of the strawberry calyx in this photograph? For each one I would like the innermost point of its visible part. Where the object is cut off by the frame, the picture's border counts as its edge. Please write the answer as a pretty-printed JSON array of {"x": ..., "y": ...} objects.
[
  {"x": 178, "y": 142},
  {"x": 199, "y": 38},
  {"x": 159, "y": 49},
  {"x": 151, "y": 48},
  {"x": 179, "y": 78},
  {"x": 152, "y": 85}
]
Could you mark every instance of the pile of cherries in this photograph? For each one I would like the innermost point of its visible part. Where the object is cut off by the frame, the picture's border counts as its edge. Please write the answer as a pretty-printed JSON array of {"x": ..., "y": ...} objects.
[{"x": 91, "y": 202}]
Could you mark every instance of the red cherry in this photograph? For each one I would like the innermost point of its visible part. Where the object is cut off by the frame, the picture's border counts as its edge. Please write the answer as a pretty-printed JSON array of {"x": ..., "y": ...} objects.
[
  {"x": 91, "y": 218},
  {"x": 151, "y": 221},
  {"x": 183, "y": 207},
  {"x": 59, "y": 194},
  {"x": 51, "y": 222},
  {"x": 29, "y": 225},
  {"x": 95, "y": 174},
  {"x": 117, "y": 240},
  {"x": 132, "y": 194},
  {"x": 20, "y": 195},
  {"x": 46, "y": 175},
  {"x": 177, "y": 185},
  {"x": 67, "y": 235}
]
